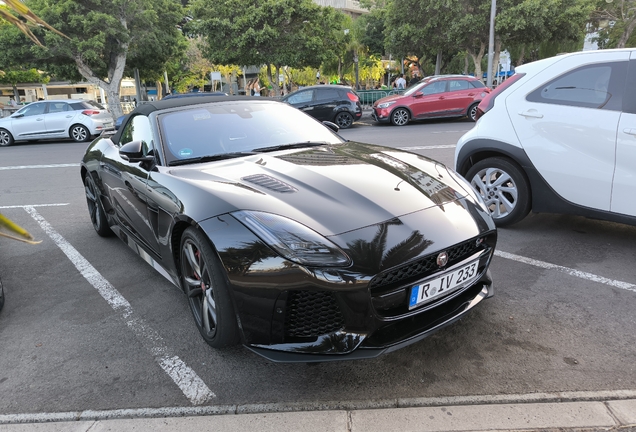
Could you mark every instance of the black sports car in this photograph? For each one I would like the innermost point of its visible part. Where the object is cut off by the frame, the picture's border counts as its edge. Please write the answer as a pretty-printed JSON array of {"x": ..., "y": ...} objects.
[{"x": 284, "y": 236}]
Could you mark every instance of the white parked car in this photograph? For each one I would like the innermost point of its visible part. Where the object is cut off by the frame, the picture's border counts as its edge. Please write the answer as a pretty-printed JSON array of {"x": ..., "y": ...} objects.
[
  {"x": 559, "y": 136},
  {"x": 65, "y": 118}
]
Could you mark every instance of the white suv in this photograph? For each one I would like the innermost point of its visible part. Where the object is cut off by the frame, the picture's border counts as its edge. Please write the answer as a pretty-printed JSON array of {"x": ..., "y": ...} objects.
[
  {"x": 559, "y": 136},
  {"x": 65, "y": 118}
]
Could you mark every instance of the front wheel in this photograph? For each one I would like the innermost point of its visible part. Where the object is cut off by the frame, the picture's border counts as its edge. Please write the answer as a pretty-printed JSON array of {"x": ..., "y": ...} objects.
[
  {"x": 95, "y": 209},
  {"x": 472, "y": 112},
  {"x": 400, "y": 117},
  {"x": 204, "y": 282},
  {"x": 79, "y": 133},
  {"x": 504, "y": 188},
  {"x": 6, "y": 139},
  {"x": 343, "y": 119}
]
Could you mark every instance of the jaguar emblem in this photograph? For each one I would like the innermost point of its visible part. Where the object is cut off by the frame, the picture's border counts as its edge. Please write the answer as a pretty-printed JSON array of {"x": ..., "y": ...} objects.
[{"x": 442, "y": 259}]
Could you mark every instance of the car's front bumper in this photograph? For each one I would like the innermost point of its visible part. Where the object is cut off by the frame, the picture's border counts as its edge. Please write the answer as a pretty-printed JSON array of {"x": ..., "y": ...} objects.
[
  {"x": 381, "y": 115},
  {"x": 390, "y": 338},
  {"x": 292, "y": 313}
]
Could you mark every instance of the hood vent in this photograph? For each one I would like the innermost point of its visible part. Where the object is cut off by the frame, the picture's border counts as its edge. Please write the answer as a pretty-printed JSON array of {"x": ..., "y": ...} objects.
[{"x": 270, "y": 183}]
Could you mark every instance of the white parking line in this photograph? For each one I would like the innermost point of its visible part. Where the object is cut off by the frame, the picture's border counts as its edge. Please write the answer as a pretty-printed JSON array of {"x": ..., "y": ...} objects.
[
  {"x": 33, "y": 205},
  {"x": 188, "y": 381},
  {"x": 428, "y": 147},
  {"x": 19, "y": 167},
  {"x": 572, "y": 272}
]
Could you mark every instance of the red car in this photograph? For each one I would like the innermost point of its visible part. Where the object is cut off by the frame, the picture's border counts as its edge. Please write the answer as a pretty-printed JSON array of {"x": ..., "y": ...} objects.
[{"x": 433, "y": 97}]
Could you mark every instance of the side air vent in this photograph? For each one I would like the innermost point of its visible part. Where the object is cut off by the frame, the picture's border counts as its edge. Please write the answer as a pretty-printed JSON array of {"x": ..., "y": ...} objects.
[{"x": 270, "y": 183}]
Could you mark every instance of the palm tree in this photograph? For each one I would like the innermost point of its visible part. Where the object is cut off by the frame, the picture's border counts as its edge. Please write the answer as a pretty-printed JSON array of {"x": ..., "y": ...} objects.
[
  {"x": 13, "y": 231},
  {"x": 16, "y": 6}
]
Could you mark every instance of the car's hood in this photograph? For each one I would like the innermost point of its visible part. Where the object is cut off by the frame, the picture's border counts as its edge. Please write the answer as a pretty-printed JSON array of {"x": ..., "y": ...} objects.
[
  {"x": 332, "y": 189},
  {"x": 390, "y": 98}
]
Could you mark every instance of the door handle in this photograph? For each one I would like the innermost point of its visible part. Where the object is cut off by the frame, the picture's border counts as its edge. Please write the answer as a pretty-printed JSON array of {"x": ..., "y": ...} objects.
[
  {"x": 531, "y": 113},
  {"x": 40, "y": 119},
  {"x": 69, "y": 116},
  {"x": 630, "y": 131},
  {"x": 442, "y": 97}
]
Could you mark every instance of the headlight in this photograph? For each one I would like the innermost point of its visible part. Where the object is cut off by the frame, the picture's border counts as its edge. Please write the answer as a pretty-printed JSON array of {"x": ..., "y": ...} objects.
[
  {"x": 386, "y": 104},
  {"x": 293, "y": 240}
]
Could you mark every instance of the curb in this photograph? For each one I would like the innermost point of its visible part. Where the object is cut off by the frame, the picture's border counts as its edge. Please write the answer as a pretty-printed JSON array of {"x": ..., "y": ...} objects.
[{"x": 606, "y": 410}]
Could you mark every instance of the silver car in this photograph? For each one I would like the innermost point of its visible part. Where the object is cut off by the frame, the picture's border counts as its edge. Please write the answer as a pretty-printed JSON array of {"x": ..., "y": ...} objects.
[{"x": 66, "y": 118}]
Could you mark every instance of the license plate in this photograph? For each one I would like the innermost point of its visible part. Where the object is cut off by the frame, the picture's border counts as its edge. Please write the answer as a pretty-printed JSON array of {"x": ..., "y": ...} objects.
[
  {"x": 108, "y": 124},
  {"x": 443, "y": 284}
]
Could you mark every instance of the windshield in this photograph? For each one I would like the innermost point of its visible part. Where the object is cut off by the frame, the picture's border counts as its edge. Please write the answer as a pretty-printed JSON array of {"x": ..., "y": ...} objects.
[
  {"x": 237, "y": 126},
  {"x": 418, "y": 86}
]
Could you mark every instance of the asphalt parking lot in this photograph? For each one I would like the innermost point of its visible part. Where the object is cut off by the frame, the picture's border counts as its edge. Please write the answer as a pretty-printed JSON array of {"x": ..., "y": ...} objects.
[{"x": 88, "y": 325}]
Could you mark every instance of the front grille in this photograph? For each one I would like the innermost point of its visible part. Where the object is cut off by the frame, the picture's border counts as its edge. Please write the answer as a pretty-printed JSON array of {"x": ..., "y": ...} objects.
[
  {"x": 311, "y": 314},
  {"x": 422, "y": 267}
]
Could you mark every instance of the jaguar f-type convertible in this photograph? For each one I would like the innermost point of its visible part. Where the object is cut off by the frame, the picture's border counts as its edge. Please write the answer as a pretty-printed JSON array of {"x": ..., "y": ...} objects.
[{"x": 286, "y": 237}]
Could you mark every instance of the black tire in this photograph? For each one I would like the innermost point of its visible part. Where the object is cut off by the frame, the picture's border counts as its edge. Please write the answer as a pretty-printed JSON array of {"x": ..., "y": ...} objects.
[
  {"x": 6, "y": 139},
  {"x": 472, "y": 112},
  {"x": 79, "y": 133},
  {"x": 204, "y": 281},
  {"x": 400, "y": 117},
  {"x": 343, "y": 119},
  {"x": 95, "y": 208},
  {"x": 504, "y": 187}
]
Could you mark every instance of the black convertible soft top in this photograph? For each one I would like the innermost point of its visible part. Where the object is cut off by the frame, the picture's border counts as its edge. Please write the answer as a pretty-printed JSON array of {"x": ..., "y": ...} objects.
[{"x": 148, "y": 107}]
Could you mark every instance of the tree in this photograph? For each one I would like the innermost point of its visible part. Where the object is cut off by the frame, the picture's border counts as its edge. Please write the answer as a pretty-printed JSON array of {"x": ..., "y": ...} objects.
[
  {"x": 16, "y": 76},
  {"x": 418, "y": 30},
  {"x": 295, "y": 33},
  {"x": 102, "y": 36},
  {"x": 532, "y": 26},
  {"x": 615, "y": 21}
]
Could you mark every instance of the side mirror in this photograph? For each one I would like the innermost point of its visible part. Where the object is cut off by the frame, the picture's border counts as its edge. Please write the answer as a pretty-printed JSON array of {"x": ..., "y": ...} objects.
[
  {"x": 334, "y": 127},
  {"x": 133, "y": 152},
  {"x": 418, "y": 94},
  {"x": 17, "y": 115}
]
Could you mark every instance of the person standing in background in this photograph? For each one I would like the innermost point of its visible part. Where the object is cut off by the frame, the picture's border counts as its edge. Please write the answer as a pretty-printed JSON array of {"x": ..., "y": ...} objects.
[{"x": 256, "y": 87}]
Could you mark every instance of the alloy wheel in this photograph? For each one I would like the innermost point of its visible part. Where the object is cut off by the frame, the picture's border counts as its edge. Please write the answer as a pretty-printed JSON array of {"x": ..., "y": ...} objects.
[
  {"x": 344, "y": 120},
  {"x": 200, "y": 291},
  {"x": 400, "y": 117},
  {"x": 5, "y": 138},
  {"x": 79, "y": 133},
  {"x": 498, "y": 190}
]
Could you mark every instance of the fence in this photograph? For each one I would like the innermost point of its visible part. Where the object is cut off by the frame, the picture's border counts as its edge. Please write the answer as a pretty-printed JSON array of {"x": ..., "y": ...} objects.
[{"x": 368, "y": 97}]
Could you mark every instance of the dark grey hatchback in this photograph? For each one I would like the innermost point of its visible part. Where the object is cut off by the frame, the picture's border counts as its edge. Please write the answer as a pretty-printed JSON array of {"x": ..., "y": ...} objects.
[{"x": 335, "y": 103}]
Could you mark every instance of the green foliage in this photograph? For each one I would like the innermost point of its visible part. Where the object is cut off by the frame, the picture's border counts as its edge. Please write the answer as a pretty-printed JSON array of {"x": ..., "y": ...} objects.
[
  {"x": 144, "y": 30},
  {"x": 542, "y": 27},
  {"x": 615, "y": 22},
  {"x": 296, "y": 33},
  {"x": 15, "y": 76},
  {"x": 372, "y": 33}
]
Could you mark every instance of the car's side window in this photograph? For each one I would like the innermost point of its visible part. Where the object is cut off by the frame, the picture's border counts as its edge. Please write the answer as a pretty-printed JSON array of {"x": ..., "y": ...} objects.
[
  {"x": 32, "y": 109},
  {"x": 55, "y": 107},
  {"x": 591, "y": 86},
  {"x": 328, "y": 94},
  {"x": 138, "y": 128},
  {"x": 456, "y": 85},
  {"x": 300, "y": 97},
  {"x": 434, "y": 88}
]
